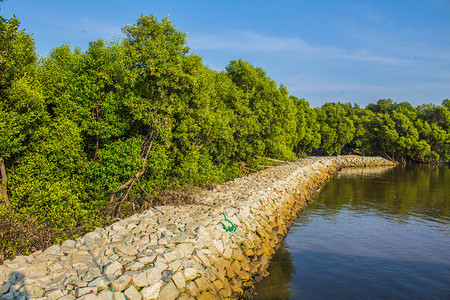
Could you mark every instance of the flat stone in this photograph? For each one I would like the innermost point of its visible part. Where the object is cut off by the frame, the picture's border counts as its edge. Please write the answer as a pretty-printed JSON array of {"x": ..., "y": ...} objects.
[
  {"x": 68, "y": 243},
  {"x": 132, "y": 293},
  {"x": 207, "y": 296},
  {"x": 72, "y": 297},
  {"x": 192, "y": 289},
  {"x": 122, "y": 250},
  {"x": 100, "y": 283},
  {"x": 203, "y": 258},
  {"x": 151, "y": 292},
  {"x": 86, "y": 297},
  {"x": 218, "y": 284},
  {"x": 190, "y": 273},
  {"x": 92, "y": 235},
  {"x": 154, "y": 275},
  {"x": 140, "y": 279},
  {"x": 179, "y": 280},
  {"x": 38, "y": 269},
  {"x": 184, "y": 250},
  {"x": 135, "y": 266},
  {"x": 55, "y": 294},
  {"x": 193, "y": 263},
  {"x": 219, "y": 245},
  {"x": 121, "y": 283},
  {"x": 35, "y": 291},
  {"x": 81, "y": 260},
  {"x": 85, "y": 290},
  {"x": 108, "y": 295},
  {"x": 114, "y": 268},
  {"x": 170, "y": 256},
  {"x": 147, "y": 259},
  {"x": 184, "y": 296},
  {"x": 55, "y": 249},
  {"x": 202, "y": 283},
  {"x": 10, "y": 264},
  {"x": 168, "y": 292}
]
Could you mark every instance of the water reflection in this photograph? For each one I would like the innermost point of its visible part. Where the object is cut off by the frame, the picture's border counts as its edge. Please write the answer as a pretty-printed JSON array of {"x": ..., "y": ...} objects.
[
  {"x": 368, "y": 234},
  {"x": 406, "y": 191},
  {"x": 281, "y": 274}
]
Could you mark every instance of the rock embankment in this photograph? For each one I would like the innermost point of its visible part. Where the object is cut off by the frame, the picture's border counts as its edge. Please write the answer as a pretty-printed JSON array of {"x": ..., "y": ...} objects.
[{"x": 215, "y": 249}]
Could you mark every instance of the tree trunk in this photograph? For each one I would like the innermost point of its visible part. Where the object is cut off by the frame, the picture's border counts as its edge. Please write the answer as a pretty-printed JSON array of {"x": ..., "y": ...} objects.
[
  {"x": 97, "y": 119},
  {"x": 3, "y": 185}
]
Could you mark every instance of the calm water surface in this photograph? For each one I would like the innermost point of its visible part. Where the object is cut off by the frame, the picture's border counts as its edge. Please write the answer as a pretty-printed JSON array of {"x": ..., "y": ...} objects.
[{"x": 378, "y": 233}]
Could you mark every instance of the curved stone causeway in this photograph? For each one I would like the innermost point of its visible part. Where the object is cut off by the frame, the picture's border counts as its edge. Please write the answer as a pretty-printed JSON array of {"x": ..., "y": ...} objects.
[{"x": 215, "y": 249}]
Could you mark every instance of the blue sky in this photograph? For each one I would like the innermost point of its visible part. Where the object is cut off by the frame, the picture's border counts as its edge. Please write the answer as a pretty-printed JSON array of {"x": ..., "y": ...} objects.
[{"x": 321, "y": 50}]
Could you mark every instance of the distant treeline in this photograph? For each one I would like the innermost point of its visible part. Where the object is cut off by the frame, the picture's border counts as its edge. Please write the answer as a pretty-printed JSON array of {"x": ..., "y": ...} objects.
[{"x": 87, "y": 136}]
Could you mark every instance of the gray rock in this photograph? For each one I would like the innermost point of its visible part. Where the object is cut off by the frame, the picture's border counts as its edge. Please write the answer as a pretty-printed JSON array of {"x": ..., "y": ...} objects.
[
  {"x": 8, "y": 296},
  {"x": 5, "y": 288},
  {"x": 166, "y": 275}
]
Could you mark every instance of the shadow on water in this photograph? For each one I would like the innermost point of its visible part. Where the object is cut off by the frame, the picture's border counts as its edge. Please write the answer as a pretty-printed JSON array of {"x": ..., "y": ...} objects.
[
  {"x": 14, "y": 288},
  {"x": 338, "y": 276},
  {"x": 282, "y": 271}
]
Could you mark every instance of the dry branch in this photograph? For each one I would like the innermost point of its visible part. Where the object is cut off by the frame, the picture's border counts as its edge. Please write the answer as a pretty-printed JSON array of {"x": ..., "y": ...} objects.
[
  {"x": 3, "y": 184},
  {"x": 272, "y": 159},
  {"x": 130, "y": 183}
]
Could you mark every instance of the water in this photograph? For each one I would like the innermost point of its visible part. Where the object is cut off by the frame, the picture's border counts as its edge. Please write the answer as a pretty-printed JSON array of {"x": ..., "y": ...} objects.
[{"x": 379, "y": 233}]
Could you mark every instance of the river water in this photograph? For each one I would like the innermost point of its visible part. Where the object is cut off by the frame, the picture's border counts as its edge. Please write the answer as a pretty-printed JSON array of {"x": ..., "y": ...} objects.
[{"x": 376, "y": 233}]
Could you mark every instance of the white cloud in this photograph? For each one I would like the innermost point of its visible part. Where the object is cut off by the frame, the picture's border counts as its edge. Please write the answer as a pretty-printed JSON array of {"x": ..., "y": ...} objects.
[
  {"x": 100, "y": 28},
  {"x": 246, "y": 41}
]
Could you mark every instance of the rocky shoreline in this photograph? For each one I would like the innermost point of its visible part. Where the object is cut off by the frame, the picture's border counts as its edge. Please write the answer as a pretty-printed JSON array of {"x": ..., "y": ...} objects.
[{"x": 215, "y": 249}]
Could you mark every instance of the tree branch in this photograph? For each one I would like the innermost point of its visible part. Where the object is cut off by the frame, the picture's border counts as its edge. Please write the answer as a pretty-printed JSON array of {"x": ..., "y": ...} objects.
[
  {"x": 4, "y": 183},
  {"x": 129, "y": 184}
]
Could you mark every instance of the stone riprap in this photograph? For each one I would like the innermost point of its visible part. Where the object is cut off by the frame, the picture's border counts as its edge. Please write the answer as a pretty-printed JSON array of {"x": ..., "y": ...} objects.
[{"x": 215, "y": 249}]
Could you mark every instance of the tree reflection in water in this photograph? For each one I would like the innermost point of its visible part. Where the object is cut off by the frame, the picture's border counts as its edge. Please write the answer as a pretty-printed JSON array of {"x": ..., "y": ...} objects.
[{"x": 371, "y": 234}]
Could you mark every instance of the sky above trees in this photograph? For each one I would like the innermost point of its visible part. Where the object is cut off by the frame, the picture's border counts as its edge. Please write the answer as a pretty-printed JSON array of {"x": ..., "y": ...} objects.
[{"x": 323, "y": 51}]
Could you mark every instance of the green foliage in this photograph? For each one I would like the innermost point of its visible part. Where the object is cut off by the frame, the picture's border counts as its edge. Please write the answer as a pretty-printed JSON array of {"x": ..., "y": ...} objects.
[
  {"x": 402, "y": 132},
  {"x": 308, "y": 128},
  {"x": 337, "y": 128},
  {"x": 265, "y": 114}
]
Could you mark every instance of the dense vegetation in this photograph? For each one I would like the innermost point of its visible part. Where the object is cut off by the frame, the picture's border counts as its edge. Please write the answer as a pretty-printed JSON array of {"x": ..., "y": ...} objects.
[{"x": 86, "y": 137}]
